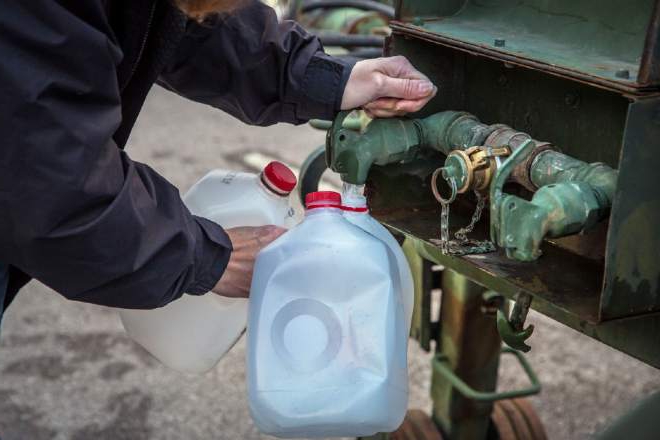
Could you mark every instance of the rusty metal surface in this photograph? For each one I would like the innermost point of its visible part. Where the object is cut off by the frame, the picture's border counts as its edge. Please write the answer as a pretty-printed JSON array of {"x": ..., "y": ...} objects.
[
  {"x": 416, "y": 426},
  {"x": 564, "y": 285},
  {"x": 399, "y": 28},
  {"x": 609, "y": 46},
  {"x": 531, "y": 418},
  {"x": 400, "y": 196},
  {"x": 469, "y": 341},
  {"x": 516, "y": 419},
  {"x": 583, "y": 121},
  {"x": 633, "y": 251},
  {"x": 576, "y": 292},
  {"x": 649, "y": 71}
]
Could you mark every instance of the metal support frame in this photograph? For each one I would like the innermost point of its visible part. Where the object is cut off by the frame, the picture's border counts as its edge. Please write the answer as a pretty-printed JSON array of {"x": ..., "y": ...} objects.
[{"x": 470, "y": 345}]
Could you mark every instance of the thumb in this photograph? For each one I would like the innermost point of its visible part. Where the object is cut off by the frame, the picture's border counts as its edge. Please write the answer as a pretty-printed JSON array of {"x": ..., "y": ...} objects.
[{"x": 406, "y": 88}]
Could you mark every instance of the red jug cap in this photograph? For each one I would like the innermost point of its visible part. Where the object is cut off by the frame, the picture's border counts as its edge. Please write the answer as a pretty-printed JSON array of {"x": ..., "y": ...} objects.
[
  {"x": 279, "y": 178},
  {"x": 323, "y": 199}
]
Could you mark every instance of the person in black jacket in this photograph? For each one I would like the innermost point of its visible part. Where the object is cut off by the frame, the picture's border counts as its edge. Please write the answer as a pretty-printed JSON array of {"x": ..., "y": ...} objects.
[{"x": 76, "y": 212}]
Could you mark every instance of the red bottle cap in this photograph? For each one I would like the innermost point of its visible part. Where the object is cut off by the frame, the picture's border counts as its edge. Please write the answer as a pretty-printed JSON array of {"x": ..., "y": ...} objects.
[
  {"x": 279, "y": 178},
  {"x": 323, "y": 199},
  {"x": 354, "y": 208}
]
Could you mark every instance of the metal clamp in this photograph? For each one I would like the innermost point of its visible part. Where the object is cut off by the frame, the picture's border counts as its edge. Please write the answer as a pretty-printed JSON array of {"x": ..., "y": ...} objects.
[
  {"x": 512, "y": 330},
  {"x": 441, "y": 366},
  {"x": 497, "y": 187}
]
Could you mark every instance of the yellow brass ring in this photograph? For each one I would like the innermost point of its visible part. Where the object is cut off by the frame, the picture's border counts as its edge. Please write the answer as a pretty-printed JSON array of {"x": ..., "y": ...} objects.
[{"x": 434, "y": 187}]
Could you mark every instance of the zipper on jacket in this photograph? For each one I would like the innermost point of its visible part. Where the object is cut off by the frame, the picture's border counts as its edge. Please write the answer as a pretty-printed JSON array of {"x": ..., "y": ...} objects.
[{"x": 143, "y": 45}]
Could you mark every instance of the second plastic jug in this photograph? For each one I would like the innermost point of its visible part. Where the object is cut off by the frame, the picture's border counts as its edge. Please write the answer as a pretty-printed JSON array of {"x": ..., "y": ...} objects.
[
  {"x": 326, "y": 330},
  {"x": 192, "y": 333}
]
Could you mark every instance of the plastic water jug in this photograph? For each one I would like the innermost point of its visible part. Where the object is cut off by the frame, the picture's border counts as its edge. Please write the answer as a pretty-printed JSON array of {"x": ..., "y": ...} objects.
[
  {"x": 326, "y": 330},
  {"x": 356, "y": 211},
  {"x": 192, "y": 333}
]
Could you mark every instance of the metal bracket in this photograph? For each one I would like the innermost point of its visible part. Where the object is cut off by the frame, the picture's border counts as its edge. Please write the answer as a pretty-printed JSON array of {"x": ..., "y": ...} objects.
[
  {"x": 511, "y": 329},
  {"x": 441, "y": 366},
  {"x": 497, "y": 195}
]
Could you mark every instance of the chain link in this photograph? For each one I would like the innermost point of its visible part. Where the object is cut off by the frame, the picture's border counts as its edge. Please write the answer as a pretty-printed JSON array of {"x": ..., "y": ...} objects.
[
  {"x": 461, "y": 234},
  {"x": 462, "y": 245},
  {"x": 444, "y": 228}
]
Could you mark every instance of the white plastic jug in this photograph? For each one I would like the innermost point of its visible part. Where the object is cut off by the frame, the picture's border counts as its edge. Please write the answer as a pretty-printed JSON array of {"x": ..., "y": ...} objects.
[
  {"x": 192, "y": 333},
  {"x": 326, "y": 330},
  {"x": 356, "y": 211}
]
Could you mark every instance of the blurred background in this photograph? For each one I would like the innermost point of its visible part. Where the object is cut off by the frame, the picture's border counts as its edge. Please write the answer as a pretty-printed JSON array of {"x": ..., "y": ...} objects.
[{"x": 68, "y": 370}]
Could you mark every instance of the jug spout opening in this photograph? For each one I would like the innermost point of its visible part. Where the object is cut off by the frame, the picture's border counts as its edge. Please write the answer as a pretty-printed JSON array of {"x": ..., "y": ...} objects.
[
  {"x": 353, "y": 199},
  {"x": 323, "y": 199}
]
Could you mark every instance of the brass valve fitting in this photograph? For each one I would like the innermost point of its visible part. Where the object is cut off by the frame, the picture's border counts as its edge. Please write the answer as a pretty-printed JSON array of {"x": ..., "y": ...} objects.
[{"x": 473, "y": 168}]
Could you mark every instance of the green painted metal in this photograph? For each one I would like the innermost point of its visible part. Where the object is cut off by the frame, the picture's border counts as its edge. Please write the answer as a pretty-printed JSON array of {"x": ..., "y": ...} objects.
[
  {"x": 586, "y": 122},
  {"x": 604, "y": 44},
  {"x": 512, "y": 328},
  {"x": 400, "y": 197},
  {"x": 512, "y": 337},
  {"x": 577, "y": 198},
  {"x": 384, "y": 141},
  {"x": 555, "y": 211},
  {"x": 467, "y": 358},
  {"x": 632, "y": 277},
  {"x": 345, "y": 20},
  {"x": 552, "y": 167},
  {"x": 423, "y": 282},
  {"x": 558, "y": 209},
  {"x": 440, "y": 366},
  {"x": 379, "y": 436}
]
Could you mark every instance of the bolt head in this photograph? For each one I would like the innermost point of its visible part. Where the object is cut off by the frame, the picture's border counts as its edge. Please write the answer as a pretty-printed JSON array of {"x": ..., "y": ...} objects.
[
  {"x": 572, "y": 100},
  {"x": 623, "y": 74},
  {"x": 418, "y": 21}
]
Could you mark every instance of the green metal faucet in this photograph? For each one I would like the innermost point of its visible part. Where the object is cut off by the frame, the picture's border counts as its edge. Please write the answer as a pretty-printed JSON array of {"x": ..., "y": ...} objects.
[{"x": 351, "y": 154}]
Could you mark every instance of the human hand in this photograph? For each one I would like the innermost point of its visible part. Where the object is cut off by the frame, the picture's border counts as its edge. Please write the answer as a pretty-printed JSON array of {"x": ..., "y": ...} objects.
[
  {"x": 247, "y": 242},
  {"x": 387, "y": 87}
]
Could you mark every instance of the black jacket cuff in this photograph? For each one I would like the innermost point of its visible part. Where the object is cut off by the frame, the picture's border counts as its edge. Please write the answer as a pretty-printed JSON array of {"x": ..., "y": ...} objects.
[
  {"x": 323, "y": 86},
  {"x": 211, "y": 256}
]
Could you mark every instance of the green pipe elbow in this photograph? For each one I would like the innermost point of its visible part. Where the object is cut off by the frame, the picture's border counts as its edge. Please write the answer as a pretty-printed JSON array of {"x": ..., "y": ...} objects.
[
  {"x": 556, "y": 210},
  {"x": 553, "y": 167}
]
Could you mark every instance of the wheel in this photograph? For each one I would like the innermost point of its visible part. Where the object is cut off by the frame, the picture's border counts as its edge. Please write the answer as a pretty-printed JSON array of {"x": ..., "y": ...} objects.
[
  {"x": 516, "y": 419},
  {"x": 416, "y": 426}
]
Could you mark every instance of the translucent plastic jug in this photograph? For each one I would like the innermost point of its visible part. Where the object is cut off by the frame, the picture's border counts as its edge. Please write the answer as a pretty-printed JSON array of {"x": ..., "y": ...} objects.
[
  {"x": 192, "y": 333},
  {"x": 356, "y": 211},
  {"x": 326, "y": 330}
]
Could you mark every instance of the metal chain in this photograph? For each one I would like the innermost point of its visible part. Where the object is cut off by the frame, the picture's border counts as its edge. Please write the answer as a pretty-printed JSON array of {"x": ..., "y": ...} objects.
[
  {"x": 444, "y": 228},
  {"x": 461, "y": 234},
  {"x": 461, "y": 245}
]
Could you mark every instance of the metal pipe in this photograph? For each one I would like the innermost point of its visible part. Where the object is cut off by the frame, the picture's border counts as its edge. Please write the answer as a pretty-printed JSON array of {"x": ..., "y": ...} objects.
[
  {"x": 571, "y": 195},
  {"x": 352, "y": 40},
  {"x": 551, "y": 167},
  {"x": 367, "y": 5},
  {"x": 450, "y": 130},
  {"x": 365, "y": 53}
]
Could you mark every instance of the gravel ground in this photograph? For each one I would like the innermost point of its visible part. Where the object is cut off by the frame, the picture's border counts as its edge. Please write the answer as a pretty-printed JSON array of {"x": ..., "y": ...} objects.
[{"x": 68, "y": 371}]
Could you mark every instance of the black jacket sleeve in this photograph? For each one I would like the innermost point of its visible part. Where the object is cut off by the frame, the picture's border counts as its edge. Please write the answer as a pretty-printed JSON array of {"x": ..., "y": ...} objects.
[
  {"x": 75, "y": 211},
  {"x": 256, "y": 69}
]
